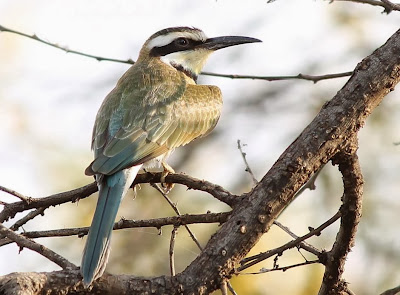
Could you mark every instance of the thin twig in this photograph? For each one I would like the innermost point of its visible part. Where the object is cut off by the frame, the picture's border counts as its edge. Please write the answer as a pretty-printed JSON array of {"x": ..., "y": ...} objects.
[
  {"x": 124, "y": 223},
  {"x": 248, "y": 169},
  {"x": 224, "y": 288},
  {"x": 230, "y": 287},
  {"x": 23, "y": 242},
  {"x": 26, "y": 218},
  {"x": 15, "y": 194},
  {"x": 304, "y": 245},
  {"x": 250, "y": 261},
  {"x": 175, "y": 208},
  {"x": 315, "y": 78},
  {"x": 67, "y": 50},
  {"x": 283, "y": 268},
  {"x": 171, "y": 250}
]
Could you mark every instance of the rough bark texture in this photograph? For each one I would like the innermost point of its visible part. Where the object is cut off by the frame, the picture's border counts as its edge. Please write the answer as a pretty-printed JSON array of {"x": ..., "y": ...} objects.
[
  {"x": 338, "y": 121},
  {"x": 332, "y": 283}
]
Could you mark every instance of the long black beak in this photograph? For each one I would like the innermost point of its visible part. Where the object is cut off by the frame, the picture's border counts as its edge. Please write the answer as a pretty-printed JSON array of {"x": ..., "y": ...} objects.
[{"x": 226, "y": 41}]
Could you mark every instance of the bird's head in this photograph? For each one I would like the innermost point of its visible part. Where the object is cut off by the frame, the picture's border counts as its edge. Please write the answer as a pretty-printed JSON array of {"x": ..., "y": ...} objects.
[{"x": 187, "y": 49}]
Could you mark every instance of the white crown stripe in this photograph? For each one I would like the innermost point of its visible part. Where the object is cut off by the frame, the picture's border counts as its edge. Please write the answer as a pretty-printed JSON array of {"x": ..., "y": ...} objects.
[{"x": 163, "y": 40}]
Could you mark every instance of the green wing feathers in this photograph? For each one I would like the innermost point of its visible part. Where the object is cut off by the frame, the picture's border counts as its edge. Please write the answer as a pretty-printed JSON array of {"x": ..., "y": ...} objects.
[{"x": 138, "y": 123}]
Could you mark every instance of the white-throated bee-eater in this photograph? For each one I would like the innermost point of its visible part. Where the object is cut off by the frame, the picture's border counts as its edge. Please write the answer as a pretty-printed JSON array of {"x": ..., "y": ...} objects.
[{"x": 155, "y": 107}]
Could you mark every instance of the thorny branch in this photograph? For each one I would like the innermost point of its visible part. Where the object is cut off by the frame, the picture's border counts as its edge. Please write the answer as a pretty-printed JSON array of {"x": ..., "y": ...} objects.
[
  {"x": 349, "y": 166},
  {"x": 313, "y": 78}
]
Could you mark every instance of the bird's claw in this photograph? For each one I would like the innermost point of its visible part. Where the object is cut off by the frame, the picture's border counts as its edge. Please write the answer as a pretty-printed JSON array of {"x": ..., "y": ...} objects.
[
  {"x": 135, "y": 188},
  {"x": 166, "y": 170}
]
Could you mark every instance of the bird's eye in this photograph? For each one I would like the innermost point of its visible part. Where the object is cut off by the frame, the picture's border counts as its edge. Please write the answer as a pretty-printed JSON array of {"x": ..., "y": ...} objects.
[{"x": 182, "y": 42}]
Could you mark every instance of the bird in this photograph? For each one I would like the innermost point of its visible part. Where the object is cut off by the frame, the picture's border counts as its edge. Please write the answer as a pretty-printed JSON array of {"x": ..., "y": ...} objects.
[{"x": 155, "y": 107}]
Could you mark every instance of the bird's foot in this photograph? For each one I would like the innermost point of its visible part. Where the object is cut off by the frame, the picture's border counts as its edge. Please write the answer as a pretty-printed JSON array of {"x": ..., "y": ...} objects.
[
  {"x": 166, "y": 170},
  {"x": 135, "y": 189}
]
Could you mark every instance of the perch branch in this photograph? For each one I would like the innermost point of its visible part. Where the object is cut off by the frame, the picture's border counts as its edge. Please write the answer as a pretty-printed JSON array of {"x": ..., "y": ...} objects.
[{"x": 74, "y": 195}]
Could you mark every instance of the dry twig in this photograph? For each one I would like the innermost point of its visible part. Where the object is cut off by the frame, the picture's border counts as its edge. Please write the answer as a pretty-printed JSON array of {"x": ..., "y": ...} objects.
[
  {"x": 248, "y": 169},
  {"x": 23, "y": 242},
  {"x": 313, "y": 78},
  {"x": 252, "y": 260}
]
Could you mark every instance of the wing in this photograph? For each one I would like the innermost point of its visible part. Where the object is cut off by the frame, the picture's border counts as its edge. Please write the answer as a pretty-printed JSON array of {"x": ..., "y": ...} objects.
[{"x": 136, "y": 124}]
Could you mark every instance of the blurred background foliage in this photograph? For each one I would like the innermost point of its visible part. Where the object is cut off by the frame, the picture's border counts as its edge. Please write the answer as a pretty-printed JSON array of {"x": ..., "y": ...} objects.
[{"x": 49, "y": 100}]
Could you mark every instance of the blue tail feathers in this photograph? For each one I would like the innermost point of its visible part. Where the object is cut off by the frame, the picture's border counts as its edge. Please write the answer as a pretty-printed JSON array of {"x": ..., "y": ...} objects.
[{"x": 112, "y": 188}]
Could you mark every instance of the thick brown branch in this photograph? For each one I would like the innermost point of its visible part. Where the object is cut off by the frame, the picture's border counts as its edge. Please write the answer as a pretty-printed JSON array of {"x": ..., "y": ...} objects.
[
  {"x": 351, "y": 213},
  {"x": 392, "y": 291},
  {"x": 68, "y": 282}
]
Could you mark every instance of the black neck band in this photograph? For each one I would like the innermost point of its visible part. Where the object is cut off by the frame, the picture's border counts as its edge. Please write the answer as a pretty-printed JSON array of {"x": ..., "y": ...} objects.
[{"x": 187, "y": 72}]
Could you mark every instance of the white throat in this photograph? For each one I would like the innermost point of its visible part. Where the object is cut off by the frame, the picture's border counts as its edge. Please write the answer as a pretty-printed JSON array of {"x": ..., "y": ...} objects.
[{"x": 192, "y": 60}]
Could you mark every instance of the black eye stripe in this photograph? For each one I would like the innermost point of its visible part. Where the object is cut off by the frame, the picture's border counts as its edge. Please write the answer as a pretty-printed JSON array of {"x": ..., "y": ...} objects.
[{"x": 174, "y": 47}]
